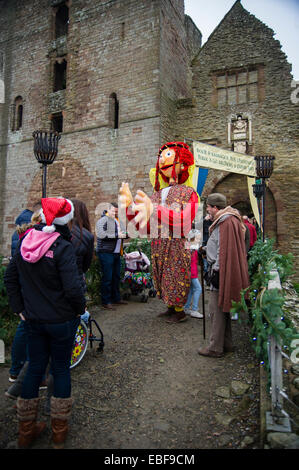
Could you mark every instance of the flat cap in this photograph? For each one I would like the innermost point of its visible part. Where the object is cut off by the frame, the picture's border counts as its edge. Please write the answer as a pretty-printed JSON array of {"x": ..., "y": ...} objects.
[{"x": 217, "y": 199}]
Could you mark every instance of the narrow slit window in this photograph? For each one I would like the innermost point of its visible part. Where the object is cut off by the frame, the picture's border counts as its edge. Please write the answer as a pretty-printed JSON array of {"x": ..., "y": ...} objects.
[
  {"x": 61, "y": 21},
  {"x": 57, "y": 122},
  {"x": 60, "y": 75},
  {"x": 114, "y": 111},
  {"x": 17, "y": 114},
  {"x": 122, "y": 31}
]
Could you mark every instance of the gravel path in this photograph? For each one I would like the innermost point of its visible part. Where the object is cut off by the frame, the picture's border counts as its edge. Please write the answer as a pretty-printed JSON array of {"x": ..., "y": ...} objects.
[{"x": 149, "y": 389}]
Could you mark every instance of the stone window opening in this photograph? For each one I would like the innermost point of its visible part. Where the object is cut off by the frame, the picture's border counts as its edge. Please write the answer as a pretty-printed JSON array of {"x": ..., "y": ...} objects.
[
  {"x": 122, "y": 31},
  {"x": 60, "y": 67},
  {"x": 62, "y": 20},
  {"x": 17, "y": 114},
  {"x": 238, "y": 86},
  {"x": 57, "y": 122},
  {"x": 113, "y": 111}
]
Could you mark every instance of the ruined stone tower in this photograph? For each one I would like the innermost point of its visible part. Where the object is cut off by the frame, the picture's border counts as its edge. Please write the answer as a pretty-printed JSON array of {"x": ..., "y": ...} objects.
[{"x": 105, "y": 73}]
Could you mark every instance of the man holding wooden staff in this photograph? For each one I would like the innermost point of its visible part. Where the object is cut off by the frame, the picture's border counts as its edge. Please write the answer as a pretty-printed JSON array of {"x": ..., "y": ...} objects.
[{"x": 227, "y": 271}]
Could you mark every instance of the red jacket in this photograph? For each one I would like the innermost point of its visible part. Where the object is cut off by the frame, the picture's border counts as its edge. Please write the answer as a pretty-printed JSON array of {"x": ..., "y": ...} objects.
[
  {"x": 252, "y": 231},
  {"x": 194, "y": 264}
]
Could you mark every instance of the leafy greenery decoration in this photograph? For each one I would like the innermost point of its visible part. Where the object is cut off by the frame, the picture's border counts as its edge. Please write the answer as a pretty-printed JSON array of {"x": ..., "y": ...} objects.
[
  {"x": 8, "y": 321},
  {"x": 265, "y": 307}
]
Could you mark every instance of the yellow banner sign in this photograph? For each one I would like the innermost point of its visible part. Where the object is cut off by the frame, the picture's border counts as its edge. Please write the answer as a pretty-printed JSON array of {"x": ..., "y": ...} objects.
[{"x": 208, "y": 156}]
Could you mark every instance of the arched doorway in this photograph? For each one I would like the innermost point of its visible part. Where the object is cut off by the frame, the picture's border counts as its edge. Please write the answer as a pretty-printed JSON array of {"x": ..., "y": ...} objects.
[{"x": 234, "y": 186}]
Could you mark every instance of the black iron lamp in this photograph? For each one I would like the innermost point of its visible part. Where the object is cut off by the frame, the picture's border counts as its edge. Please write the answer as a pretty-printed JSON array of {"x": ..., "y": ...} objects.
[
  {"x": 45, "y": 151},
  {"x": 264, "y": 169},
  {"x": 264, "y": 165},
  {"x": 258, "y": 189}
]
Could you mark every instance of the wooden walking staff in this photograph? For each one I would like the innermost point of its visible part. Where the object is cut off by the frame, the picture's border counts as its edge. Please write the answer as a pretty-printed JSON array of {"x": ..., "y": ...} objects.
[{"x": 203, "y": 292}]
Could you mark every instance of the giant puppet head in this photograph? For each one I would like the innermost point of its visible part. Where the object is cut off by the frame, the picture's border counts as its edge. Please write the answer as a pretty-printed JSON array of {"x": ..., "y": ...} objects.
[{"x": 174, "y": 162}]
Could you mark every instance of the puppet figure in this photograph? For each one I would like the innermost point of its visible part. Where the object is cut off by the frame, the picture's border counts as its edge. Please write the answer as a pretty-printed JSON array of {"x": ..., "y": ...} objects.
[{"x": 166, "y": 217}]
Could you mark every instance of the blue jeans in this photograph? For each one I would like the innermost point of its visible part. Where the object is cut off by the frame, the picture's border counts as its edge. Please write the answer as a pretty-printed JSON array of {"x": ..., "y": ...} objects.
[
  {"x": 205, "y": 265},
  {"x": 110, "y": 263},
  {"x": 19, "y": 349},
  {"x": 195, "y": 292},
  {"x": 49, "y": 341}
]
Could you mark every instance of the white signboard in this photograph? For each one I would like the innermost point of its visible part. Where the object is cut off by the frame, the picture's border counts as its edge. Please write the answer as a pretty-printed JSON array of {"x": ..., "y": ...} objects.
[{"x": 208, "y": 156}]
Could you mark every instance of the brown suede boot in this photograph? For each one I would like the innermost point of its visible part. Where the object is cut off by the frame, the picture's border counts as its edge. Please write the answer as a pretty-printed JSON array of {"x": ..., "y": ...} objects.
[
  {"x": 167, "y": 313},
  {"x": 29, "y": 429},
  {"x": 60, "y": 413}
]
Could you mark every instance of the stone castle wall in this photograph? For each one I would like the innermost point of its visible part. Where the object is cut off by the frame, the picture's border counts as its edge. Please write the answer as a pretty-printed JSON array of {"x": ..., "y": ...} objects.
[
  {"x": 111, "y": 47},
  {"x": 147, "y": 53},
  {"x": 241, "y": 40}
]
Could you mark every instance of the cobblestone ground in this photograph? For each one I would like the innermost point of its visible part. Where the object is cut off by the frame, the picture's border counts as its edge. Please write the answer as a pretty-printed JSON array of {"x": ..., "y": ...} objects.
[{"x": 149, "y": 389}]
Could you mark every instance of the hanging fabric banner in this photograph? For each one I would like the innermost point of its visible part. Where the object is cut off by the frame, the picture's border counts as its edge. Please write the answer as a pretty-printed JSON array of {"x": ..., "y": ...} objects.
[
  {"x": 199, "y": 179},
  {"x": 208, "y": 156},
  {"x": 253, "y": 201}
]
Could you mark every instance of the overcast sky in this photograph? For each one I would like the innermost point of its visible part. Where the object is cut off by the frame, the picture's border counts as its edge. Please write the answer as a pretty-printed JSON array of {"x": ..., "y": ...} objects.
[{"x": 280, "y": 15}]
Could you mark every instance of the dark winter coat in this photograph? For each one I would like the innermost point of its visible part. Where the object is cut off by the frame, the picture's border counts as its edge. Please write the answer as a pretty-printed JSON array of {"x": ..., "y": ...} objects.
[
  {"x": 107, "y": 234},
  {"x": 83, "y": 246},
  {"x": 48, "y": 288}
]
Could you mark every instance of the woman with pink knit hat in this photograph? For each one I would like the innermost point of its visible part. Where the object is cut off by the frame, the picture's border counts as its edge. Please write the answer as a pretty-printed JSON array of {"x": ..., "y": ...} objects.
[{"x": 45, "y": 289}]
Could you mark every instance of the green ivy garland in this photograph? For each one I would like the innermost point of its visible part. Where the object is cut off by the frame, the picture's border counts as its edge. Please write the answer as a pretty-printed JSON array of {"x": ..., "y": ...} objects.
[{"x": 265, "y": 307}]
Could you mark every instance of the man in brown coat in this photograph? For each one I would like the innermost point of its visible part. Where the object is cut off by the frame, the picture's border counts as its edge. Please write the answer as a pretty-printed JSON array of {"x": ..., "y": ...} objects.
[{"x": 227, "y": 259}]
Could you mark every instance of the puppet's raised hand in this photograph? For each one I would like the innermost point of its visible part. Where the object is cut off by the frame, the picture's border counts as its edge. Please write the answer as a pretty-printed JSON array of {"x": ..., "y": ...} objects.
[
  {"x": 125, "y": 197},
  {"x": 145, "y": 208}
]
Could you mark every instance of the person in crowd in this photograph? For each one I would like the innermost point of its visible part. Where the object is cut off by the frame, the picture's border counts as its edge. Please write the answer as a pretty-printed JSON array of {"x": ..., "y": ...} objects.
[
  {"x": 83, "y": 242},
  {"x": 82, "y": 238},
  {"x": 195, "y": 288},
  {"x": 207, "y": 221},
  {"x": 109, "y": 241},
  {"x": 20, "y": 342},
  {"x": 253, "y": 221},
  {"x": 228, "y": 271},
  {"x": 252, "y": 231},
  {"x": 44, "y": 287},
  {"x": 23, "y": 223}
]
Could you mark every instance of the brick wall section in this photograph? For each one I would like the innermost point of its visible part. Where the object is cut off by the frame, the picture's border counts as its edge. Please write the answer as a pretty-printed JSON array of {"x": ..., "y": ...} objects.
[
  {"x": 242, "y": 40},
  {"x": 112, "y": 47},
  {"x": 26, "y": 74}
]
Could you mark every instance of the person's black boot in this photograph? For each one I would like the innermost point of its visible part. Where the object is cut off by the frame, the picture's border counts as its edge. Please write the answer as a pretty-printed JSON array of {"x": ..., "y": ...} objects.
[{"x": 15, "y": 389}]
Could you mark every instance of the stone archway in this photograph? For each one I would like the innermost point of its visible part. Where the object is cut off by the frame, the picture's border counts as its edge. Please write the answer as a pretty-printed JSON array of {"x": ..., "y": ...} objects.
[{"x": 234, "y": 186}]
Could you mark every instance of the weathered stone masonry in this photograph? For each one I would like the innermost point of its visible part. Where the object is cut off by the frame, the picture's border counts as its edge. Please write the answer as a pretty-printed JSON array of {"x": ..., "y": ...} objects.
[
  {"x": 144, "y": 59},
  {"x": 111, "y": 47},
  {"x": 242, "y": 42}
]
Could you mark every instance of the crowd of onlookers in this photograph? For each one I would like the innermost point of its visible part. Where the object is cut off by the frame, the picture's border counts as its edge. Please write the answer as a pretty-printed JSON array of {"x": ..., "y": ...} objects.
[{"x": 52, "y": 249}]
